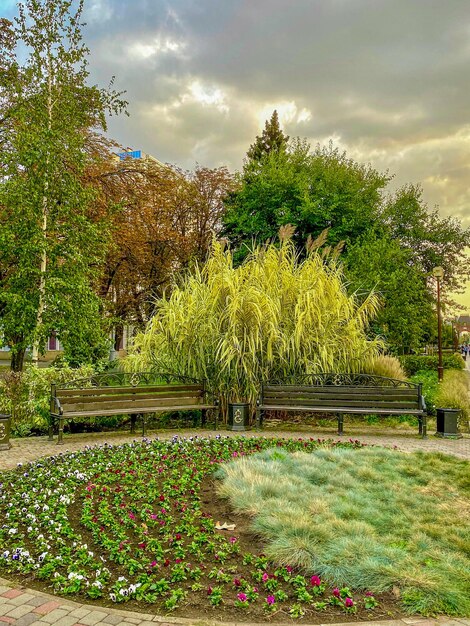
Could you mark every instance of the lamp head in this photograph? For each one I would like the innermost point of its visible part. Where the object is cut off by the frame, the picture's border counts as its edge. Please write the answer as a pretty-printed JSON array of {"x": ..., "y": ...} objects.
[{"x": 438, "y": 272}]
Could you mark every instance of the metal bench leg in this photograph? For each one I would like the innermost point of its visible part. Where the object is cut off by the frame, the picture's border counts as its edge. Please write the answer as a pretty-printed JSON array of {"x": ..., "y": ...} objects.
[
  {"x": 420, "y": 425},
  {"x": 425, "y": 432},
  {"x": 61, "y": 431},
  {"x": 133, "y": 421},
  {"x": 144, "y": 424},
  {"x": 203, "y": 417},
  {"x": 340, "y": 424},
  {"x": 259, "y": 418},
  {"x": 51, "y": 431}
]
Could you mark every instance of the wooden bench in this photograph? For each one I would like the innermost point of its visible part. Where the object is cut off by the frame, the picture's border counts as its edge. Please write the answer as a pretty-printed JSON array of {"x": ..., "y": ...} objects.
[
  {"x": 127, "y": 394},
  {"x": 341, "y": 394}
]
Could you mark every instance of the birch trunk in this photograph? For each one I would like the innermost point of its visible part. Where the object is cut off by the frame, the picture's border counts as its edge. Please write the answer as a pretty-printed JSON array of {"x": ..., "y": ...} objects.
[{"x": 44, "y": 225}]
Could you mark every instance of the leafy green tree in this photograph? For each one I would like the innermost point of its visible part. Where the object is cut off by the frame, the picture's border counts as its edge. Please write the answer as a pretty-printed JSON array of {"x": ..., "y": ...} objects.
[
  {"x": 310, "y": 190},
  {"x": 50, "y": 247},
  {"x": 430, "y": 239},
  {"x": 407, "y": 318}
]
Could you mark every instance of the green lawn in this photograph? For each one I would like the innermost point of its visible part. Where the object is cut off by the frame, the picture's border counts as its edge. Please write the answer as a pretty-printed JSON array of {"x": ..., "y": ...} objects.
[{"x": 369, "y": 518}]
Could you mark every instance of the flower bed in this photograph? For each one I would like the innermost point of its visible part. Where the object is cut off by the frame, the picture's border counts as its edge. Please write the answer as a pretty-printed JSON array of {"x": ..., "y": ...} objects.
[{"x": 136, "y": 524}]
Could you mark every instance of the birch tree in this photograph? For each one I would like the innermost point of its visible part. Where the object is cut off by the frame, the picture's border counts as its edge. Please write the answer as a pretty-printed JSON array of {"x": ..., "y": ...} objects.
[{"x": 50, "y": 247}]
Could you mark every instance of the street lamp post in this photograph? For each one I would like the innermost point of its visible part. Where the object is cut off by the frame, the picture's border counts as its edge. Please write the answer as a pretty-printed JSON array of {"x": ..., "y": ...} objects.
[{"x": 438, "y": 273}]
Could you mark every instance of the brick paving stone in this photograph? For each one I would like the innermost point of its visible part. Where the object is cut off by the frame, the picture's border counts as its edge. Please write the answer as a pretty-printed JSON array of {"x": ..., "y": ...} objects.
[
  {"x": 80, "y": 612},
  {"x": 112, "y": 619},
  {"x": 38, "y": 600},
  {"x": 19, "y": 611},
  {"x": 62, "y": 621},
  {"x": 5, "y": 608},
  {"x": 28, "y": 620},
  {"x": 24, "y": 598},
  {"x": 54, "y": 616},
  {"x": 94, "y": 617},
  {"x": 12, "y": 593},
  {"x": 3, "y": 588},
  {"x": 46, "y": 607},
  {"x": 7, "y": 620}
]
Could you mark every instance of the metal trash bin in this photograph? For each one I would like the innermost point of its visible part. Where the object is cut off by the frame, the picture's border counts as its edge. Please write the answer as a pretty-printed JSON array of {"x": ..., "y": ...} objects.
[
  {"x": 5, "y": 425},
  {"x": 239, "y": 416},
  {"x": 446, "y": 421}
]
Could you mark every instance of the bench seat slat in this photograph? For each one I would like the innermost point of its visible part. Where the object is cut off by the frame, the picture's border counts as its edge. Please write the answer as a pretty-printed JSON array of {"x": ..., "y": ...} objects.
[
  {"x": 96, "y": 391},
  {"x": 129, "y": 411},
  {"x": 330, "y": 397},
  {"x": 130, "y": 397},
  {"x": 339, "y": 409},
  {"x": 132, "y": 405},
  {"x": 328, "y": 389},
  {"x": 287, "y": 402}
]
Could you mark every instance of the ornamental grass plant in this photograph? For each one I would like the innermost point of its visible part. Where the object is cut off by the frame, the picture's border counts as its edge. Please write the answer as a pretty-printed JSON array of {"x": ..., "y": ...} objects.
[
  {"x": 274, "y": 316},
  {"x": 371, "y": 518}
]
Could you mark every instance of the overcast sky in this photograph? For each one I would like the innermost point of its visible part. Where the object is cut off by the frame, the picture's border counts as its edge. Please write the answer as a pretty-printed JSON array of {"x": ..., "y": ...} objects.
[{"x": 387, "y": 80}]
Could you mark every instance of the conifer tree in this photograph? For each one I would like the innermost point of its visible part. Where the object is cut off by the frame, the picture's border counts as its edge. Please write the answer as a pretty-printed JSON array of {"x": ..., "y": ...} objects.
[{"x": 272, "y": 139}]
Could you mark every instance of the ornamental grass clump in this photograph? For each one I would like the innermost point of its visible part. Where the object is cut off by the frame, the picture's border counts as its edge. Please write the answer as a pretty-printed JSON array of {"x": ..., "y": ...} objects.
[
  {"x": 274, "y": 316},
  {"x": 372, "y": 519}
]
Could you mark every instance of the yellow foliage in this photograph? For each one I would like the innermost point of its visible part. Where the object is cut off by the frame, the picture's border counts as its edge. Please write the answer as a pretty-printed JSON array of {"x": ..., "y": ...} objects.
[
  {"x": 453, "y": 393},
  {"x": 271, "y": 317},
  {"x": 385, "y": 365}
]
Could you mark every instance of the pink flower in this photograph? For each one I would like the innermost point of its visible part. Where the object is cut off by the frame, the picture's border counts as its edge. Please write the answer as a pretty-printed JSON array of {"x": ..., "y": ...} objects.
[
  {"x": 242, "y": 597},
  {"x": 349, "y": 602},
  {"x": 315, "y": 581},
  {"x": 153, "y": 563},
  {"x": 265, "y": 577},
  {"x": 153, "y": 516},
  {"x": 233, "y": 540},
  {"x": 237, "y": 582},
  {"x": 336, "y": 592},
  {"x": 270, "y": 600},
  {"x": 131, "y": 515}
]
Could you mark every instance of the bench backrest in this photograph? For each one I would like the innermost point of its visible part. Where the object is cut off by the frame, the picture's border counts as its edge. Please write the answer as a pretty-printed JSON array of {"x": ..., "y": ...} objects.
[
  {"x": 342, "y": 396},
  {"x": 145, "y": 396}
]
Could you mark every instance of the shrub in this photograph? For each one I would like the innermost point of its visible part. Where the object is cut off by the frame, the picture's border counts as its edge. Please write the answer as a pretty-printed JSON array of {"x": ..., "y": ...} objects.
[
  {"x": 430, "y": 386},
  {"x": 453, "y": 393},
  {"x": 388, "y": 366},
  {"x": 274, "y": 316},
  {"x": 26, "y": 395},
  {"x": 413, "y": 363}
]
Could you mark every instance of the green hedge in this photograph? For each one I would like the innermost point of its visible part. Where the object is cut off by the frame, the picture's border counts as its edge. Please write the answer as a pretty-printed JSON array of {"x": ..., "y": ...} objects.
[{"x": 413, "y": 363}]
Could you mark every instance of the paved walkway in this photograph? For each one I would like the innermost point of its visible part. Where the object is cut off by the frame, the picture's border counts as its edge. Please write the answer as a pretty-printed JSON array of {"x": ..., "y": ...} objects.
[
  {"x": 25, "y": 607},
  {"x": 31, "y": 448}
]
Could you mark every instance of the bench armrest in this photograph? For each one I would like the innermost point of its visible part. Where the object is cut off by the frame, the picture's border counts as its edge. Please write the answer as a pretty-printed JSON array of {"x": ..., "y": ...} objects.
[
  {"x": 56, "y": 408},
  {"x": 423, "y": 403}
]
